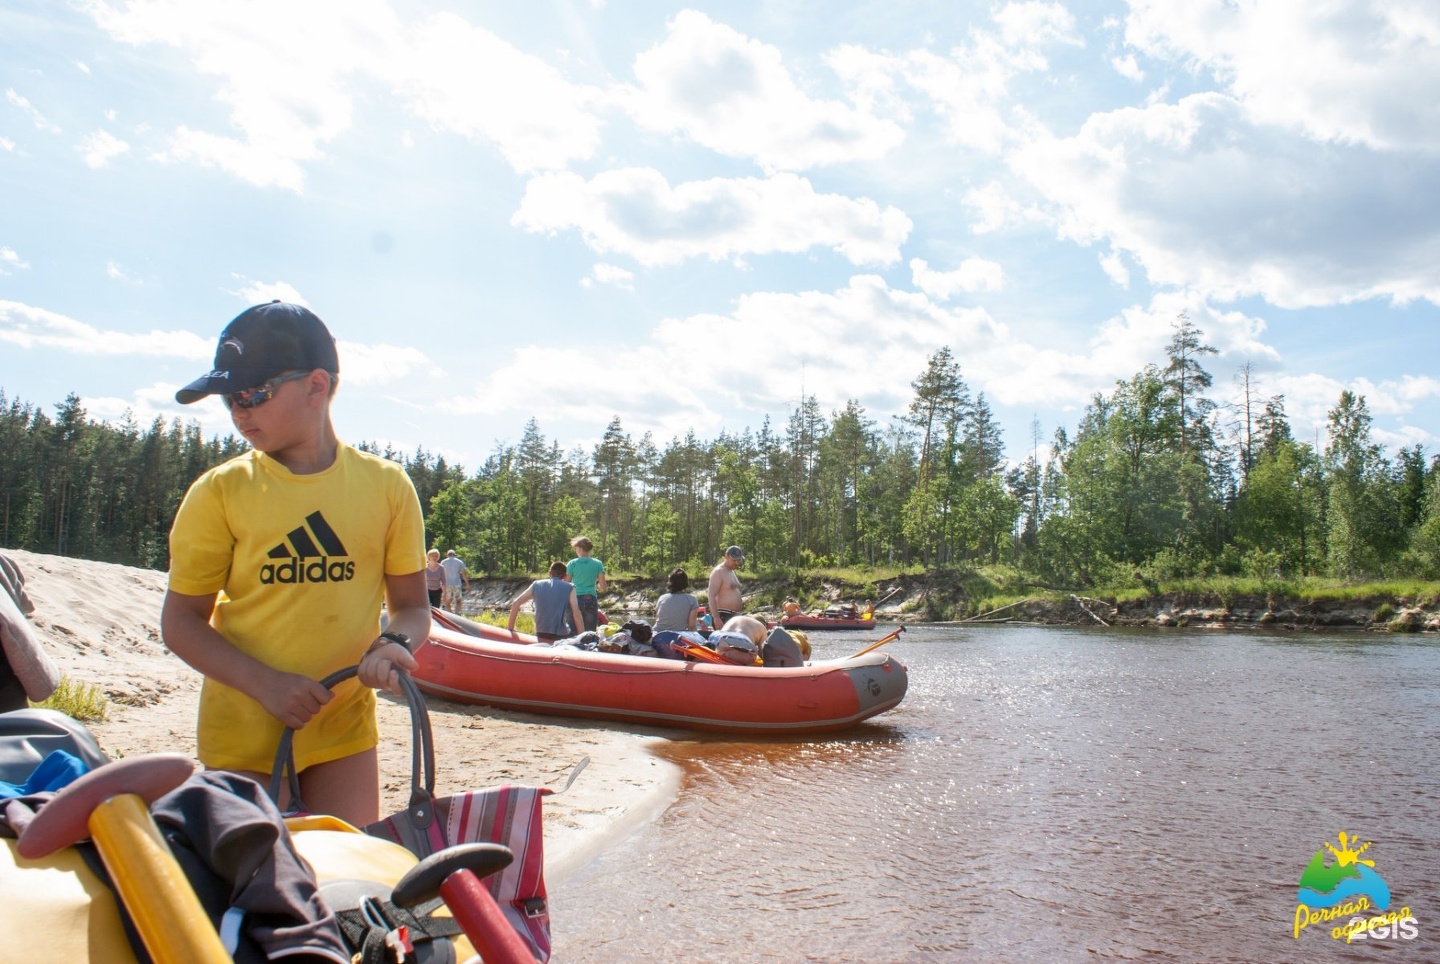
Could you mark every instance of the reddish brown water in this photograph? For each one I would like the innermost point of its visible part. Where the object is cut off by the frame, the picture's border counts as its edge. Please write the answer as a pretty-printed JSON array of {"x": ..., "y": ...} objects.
[{"x": 1047, "y": 795}]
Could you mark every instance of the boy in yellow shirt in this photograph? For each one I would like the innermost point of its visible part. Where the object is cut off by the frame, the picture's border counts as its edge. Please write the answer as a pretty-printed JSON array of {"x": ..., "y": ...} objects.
[{"x": 279, "y": 562}]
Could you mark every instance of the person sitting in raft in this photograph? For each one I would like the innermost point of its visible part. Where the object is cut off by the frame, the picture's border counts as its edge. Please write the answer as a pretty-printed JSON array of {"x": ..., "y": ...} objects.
[
  {"x": 557, "y": 611},
  {"x": 675, "y": 613}
]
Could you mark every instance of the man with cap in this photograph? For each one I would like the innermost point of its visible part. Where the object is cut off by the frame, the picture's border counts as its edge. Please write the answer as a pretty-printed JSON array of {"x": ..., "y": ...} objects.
[
  {"x": 722, "y": 598},
  {"x": 280, "y": 560},
  {"x": 456, "y": 574}
]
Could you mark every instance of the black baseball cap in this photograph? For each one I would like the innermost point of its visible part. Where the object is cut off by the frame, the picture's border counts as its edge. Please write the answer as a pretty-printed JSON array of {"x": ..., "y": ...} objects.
[{"x": 260, "y": 343}]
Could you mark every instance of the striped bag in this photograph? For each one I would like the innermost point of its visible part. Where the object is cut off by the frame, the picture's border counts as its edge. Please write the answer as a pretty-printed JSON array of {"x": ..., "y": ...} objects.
[{"x": 507, "y": 815}]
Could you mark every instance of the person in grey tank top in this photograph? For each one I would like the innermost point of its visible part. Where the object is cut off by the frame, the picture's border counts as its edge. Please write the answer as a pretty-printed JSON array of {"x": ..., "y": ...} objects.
[{"x": 557, "y": 612}]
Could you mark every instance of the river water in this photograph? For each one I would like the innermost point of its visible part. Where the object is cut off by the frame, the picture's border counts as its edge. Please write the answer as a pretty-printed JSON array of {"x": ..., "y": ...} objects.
[{"x": 1046, "y": 795}]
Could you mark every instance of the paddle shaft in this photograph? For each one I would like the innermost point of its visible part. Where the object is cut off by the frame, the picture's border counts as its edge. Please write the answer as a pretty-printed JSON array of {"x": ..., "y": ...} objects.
[
  {"x": 171, "y": 921},
  {"x": 880, "y": 642},
  {"x": 482, "y": 920}
]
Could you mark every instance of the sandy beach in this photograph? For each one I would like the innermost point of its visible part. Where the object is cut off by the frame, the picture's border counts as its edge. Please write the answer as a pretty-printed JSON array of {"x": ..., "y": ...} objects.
[{"x": 101, "y": 624}]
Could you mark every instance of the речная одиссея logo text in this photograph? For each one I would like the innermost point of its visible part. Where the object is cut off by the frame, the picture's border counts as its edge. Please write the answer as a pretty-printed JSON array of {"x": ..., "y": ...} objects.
[{"x": 1350, "y": 888}]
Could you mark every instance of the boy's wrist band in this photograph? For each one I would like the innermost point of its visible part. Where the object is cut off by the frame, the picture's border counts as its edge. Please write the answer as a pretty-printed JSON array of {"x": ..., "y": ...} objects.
[{"x": 391, "y": 637}]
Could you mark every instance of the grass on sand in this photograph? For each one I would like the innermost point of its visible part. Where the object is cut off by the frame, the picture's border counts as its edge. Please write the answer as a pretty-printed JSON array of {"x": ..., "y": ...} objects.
[{"x": 81, "y": 701}]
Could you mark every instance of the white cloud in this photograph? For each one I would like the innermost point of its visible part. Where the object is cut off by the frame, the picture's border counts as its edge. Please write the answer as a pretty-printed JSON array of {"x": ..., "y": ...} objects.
[
  {"x": 1331, "y": 71},
  {"x": 665, "y": 405},
  {"x": 25, "y": 107},
  {"x": 1203, "y": 199},
  {"x": 609, "y": 274},
  {"x": 636, "y": 212},
  {"x": 735, "y": 95},
  {"x": 1396, "y": 396},
  {"x": 115, "y": 272},
  {"x": 30, "y": 327},
  {"x": 1128, "y": 67},
  {"x": 157, "y": 400},
  {"x": 1310, "y": 397},
  {"x": 273, "y": 166},
  {"x": 258, "y": 292},
  {"x": 864, "y": 340},
  {"x": 1114, "y": 267},
  {"x": 380, "y": 364},
  {"x": 7, "y": 145},
  {"x": 974, "y": 274},
  {"x": 100, "y": 146},
  {"x": 464, "y": 79},
  {"x": 10, "y": 258},
  {"x": 994, "y": 208},
  {"x": 282, "y": 67},
  {"x": 969, "y": 87},
  {"x": 289, "y": 73},
  {"x": 1037, "y": 373}
]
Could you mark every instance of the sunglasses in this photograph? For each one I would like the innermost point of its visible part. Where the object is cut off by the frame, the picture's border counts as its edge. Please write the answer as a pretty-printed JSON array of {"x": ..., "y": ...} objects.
[{"x": 255, "y": 397}]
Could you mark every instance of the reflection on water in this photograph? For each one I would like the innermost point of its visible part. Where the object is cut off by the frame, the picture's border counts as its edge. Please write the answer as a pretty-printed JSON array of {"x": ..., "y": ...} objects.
[{"x": 1045, "y": 795}]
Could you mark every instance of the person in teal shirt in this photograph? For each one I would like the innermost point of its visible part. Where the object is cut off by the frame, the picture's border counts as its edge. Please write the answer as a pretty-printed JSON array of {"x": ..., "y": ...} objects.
[{"x": 588, "y": 575}]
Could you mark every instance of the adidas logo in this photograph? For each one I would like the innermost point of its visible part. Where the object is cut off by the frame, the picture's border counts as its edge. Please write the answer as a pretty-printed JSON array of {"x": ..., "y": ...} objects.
[{"x": 314, "y": 545}]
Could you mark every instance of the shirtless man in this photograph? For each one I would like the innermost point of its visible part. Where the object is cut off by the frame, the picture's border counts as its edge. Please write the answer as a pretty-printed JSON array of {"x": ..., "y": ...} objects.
[{"x": 723, "y": 595}]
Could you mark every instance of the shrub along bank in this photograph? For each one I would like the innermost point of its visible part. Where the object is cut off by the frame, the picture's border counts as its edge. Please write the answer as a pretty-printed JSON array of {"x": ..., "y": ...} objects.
[{"x": 984, "y": 595}]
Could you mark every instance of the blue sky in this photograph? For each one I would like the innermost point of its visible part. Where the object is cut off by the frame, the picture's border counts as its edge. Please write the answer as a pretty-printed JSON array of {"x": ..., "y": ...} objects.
[{"x": 688, "y": 215}]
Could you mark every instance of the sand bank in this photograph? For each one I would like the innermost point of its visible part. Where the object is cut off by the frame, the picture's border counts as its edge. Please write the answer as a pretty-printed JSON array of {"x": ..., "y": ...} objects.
[{"x": 101, "y": 624}]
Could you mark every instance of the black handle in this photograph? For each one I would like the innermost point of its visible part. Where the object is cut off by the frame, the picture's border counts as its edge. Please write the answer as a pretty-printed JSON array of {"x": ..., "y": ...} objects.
[
  {"x": 422, "y": 882},
  {"x": 422, "y": 767}
]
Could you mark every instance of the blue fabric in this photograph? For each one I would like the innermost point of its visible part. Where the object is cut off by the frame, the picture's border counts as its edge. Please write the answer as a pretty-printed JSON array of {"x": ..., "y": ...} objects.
[
  {"x": 663, "y": 642},
  {"x": 55, "y": 771}
]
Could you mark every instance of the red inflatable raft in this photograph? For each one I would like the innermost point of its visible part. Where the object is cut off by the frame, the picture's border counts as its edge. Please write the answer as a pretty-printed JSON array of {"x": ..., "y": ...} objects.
[
  {"x": 475, "y": 663},
  {"x": 809, "y": 621}
]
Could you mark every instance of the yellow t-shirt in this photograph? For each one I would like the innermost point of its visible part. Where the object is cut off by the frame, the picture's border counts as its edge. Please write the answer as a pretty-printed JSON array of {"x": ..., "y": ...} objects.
[{"x": 299, "y": 562}]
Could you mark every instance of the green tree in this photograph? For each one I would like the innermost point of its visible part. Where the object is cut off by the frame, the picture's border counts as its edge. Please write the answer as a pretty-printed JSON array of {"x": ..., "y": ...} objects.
[
  {"x": 941, "y": 397},
  {"x": 1280, "y": 509},
  {"x": 1363, "y": 510},
  {"x": 615, "y": 464},
  {"x": 1422, "y": 558},
  {"x": 847, "y": 456},
  {"x": 661, "y": 534},
  {"x": 451, "y": 521}
]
